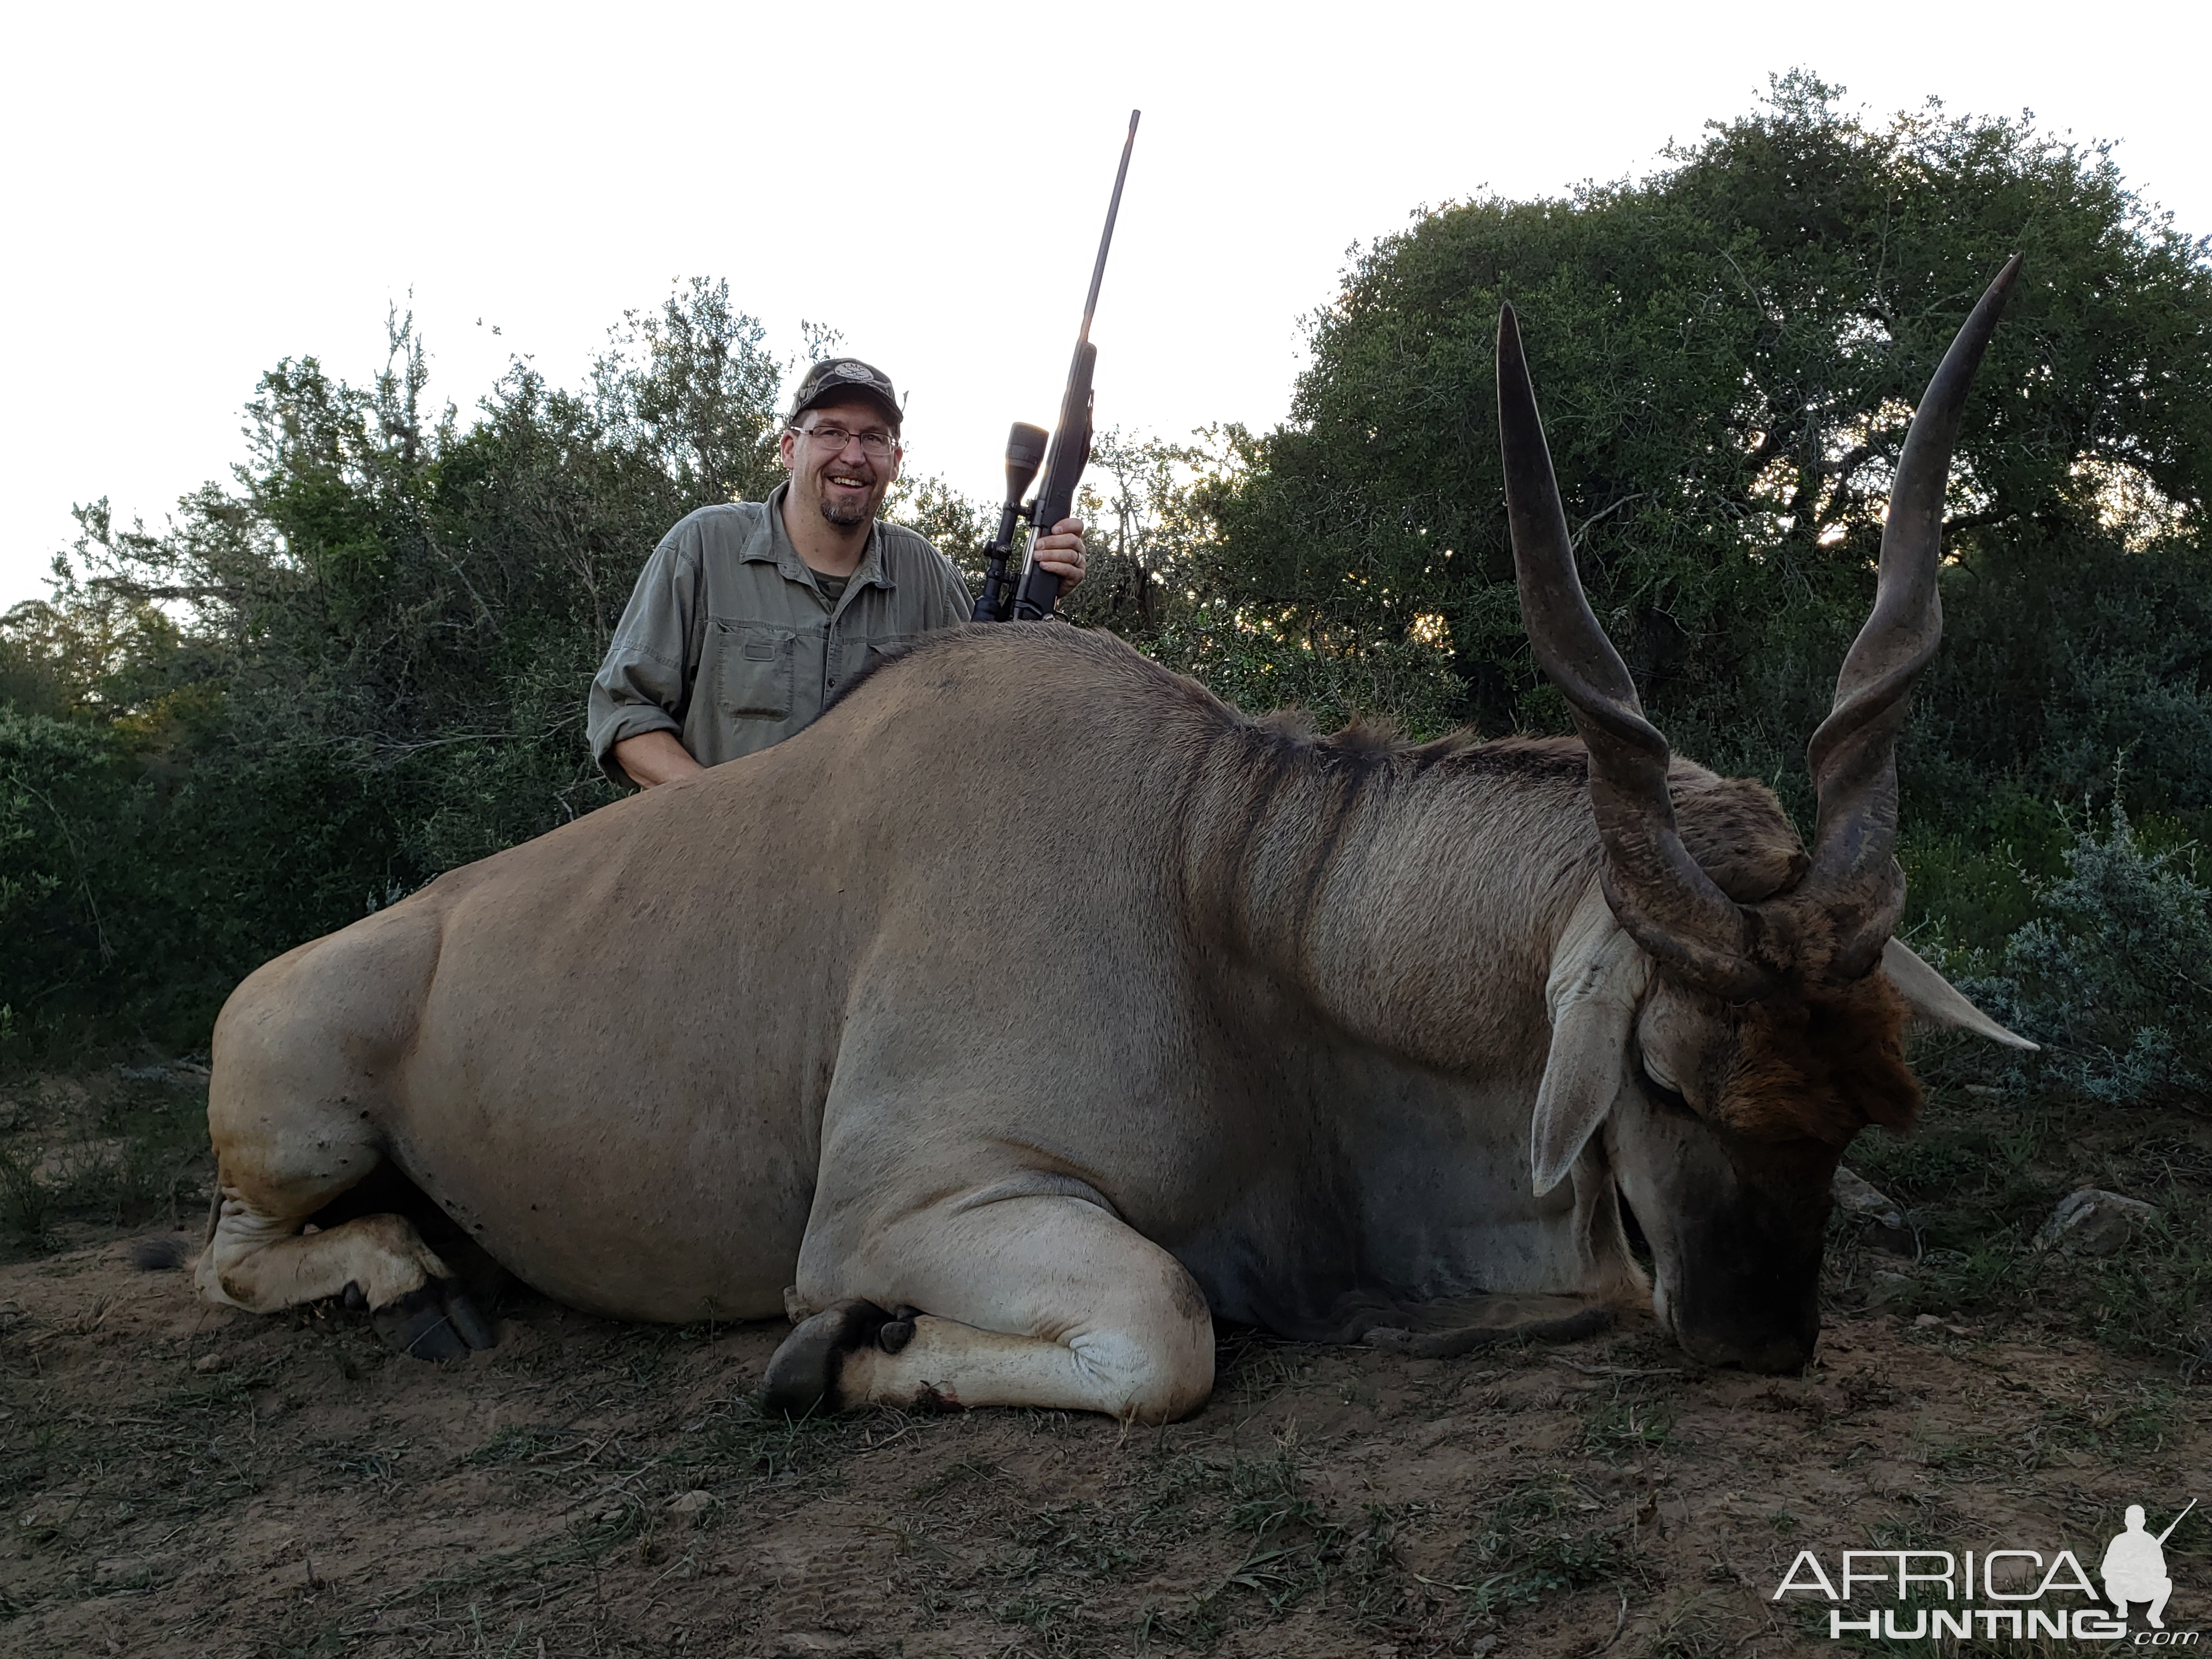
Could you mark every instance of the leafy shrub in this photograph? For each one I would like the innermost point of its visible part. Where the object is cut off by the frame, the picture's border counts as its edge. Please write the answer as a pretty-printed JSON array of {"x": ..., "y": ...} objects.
[
  {"x": 2114, "y": 975},
  {"x": 1258, "y": 668}
]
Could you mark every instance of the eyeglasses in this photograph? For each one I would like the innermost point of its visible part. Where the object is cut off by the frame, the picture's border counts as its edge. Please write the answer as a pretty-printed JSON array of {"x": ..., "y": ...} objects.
[{"x": 873, "y": 445}]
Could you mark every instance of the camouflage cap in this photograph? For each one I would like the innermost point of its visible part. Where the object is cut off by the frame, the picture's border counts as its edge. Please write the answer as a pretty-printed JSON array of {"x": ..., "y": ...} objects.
[{"x": 840, "y": 379}]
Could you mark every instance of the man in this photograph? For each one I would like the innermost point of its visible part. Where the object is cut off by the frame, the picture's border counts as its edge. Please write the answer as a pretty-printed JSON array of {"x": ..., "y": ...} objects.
[
  {"x": 2134, "y": 1569},
  {"x": 749, "y": 615}
]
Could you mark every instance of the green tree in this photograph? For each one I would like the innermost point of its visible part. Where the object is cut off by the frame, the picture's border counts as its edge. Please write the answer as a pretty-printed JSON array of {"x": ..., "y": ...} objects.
[
  {"x": 360, "y": 664},
  {"x": 1728, "y": 353}
]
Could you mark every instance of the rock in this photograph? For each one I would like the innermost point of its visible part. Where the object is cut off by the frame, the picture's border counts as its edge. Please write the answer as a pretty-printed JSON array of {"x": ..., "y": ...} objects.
[
  {"x": 208, "y": 1363},
  {"x": 1887, "y": 1227},
  {"x": 691, "y": 1505},
  {"x": 2096, "y": 1222},
  {"x": 1860, "y": 1197},
  {"x": 1927, "y": 1322}
]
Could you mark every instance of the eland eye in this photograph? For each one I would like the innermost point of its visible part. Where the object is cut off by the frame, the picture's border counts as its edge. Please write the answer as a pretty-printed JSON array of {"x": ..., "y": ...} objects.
[{"x": 1662, "y": 1093}]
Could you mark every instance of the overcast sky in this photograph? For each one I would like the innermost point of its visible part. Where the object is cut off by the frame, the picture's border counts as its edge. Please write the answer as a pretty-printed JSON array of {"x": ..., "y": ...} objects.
[{"x": 191, "y": 192}]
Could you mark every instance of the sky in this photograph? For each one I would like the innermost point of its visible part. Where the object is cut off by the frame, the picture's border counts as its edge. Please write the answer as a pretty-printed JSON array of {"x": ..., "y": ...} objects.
[{"x": 190, "y": 194}]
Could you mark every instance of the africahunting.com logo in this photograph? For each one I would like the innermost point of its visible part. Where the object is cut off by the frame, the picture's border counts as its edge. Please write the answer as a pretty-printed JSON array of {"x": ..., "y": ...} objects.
[{"x": 2020, "y": 1594}]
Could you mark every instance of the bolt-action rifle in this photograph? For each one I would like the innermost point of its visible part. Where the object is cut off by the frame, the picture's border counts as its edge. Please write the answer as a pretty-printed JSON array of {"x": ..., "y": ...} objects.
[{"x": 1039, "y": 589}]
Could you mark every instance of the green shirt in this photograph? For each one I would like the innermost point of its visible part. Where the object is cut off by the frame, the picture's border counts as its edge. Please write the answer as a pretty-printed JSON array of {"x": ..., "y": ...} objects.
[{"x": 730, "y": 642}]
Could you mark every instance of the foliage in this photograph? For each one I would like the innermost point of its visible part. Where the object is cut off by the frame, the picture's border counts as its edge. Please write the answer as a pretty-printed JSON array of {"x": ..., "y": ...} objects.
[
  {"x": 363, "y": 660},
  {"x": 1162, "y": 577},
  {"x": 2110, "y": 975},
  {"x": 360, "y": 664},
  {"x": 1728, "y": 353},
  {"x": 117, "y": 1146},
  {"x": 2106, "y": 972}
]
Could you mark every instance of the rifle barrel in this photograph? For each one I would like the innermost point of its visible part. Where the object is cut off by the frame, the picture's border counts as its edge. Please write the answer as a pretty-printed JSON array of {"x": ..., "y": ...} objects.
[
  {"x": 1106, "y": 240},
  {"x": 2177, "y": 1521}
]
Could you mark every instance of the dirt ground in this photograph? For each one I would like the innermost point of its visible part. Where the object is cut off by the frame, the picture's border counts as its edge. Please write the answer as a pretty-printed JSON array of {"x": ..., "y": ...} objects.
[{"x": 184, "y": 1480}]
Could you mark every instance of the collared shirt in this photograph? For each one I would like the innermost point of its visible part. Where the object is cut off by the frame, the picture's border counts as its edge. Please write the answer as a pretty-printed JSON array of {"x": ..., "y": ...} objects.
[{"x": 728, "y": 642}]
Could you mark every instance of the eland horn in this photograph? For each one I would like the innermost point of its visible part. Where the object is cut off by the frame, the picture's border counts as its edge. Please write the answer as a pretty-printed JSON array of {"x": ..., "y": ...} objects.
[
  {"x": 1854, "y": 879},
  {"x": 1659, "y": 893}
]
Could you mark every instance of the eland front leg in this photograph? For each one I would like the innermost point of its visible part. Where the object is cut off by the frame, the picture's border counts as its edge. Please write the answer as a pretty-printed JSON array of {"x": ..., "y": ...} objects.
[{"x": 1048, "y": 1302}]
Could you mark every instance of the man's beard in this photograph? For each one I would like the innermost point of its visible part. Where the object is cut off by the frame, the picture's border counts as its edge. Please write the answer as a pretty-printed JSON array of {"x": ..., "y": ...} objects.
[{"x": 845, "y": 512}]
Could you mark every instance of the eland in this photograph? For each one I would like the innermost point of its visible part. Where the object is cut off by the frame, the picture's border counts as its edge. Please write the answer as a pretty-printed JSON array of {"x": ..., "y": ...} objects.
[{"x": 1033, "y": 1010}]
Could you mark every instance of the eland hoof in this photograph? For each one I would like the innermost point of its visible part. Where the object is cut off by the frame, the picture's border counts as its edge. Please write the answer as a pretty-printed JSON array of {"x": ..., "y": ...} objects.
[
  {"x": 437, "y": 1322},
  {"x": 802, "y": 1376}
]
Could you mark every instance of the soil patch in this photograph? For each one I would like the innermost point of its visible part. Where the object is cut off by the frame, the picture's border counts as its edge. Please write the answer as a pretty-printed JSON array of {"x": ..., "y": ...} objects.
[{"x": 184, "y": 1480}]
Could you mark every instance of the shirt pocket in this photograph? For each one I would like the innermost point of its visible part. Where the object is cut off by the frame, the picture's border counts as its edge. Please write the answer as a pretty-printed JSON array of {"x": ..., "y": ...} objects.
[
  {"x": 752, "y": 663},
  {"x": 890, "y": 644},
  {"x": 857, "y": 655}
]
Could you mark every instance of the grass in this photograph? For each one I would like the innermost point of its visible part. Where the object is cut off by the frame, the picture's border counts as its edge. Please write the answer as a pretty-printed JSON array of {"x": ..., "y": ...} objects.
[
  {"x": 80, "y": 1481},
  {"x": 27, "y": 1203},
  {"x": 78, "y": 1477},
  {"x": 358, "y": 1461},
  {"x": 1981, "y": 1175},
  {"x": 524, "y": 1442},
  {"x": 1271, "y": 1542},
  {"x": 1690, "y": 1631},
  {"x": 1253, "y": 1367},
  {"x": 1535, "y": 1535},
  {"x": 1630, "y": 1422},
  {"x": 116, "y": 1146},
  {"x": 1035, "y": 1527},
  {"x": 747, "y": 1444},
  {"x": 1536, "y": 1543}
]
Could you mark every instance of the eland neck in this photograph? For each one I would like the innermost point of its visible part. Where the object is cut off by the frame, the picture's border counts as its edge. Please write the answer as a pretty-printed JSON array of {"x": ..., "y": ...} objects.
[{"x": 1413, "y": 897}]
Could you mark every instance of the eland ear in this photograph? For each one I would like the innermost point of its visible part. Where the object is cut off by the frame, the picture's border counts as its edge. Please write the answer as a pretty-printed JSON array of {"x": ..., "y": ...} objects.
[
  {"x": 1935, "y": 1001},
  {"x": 1595, "y": 984}
]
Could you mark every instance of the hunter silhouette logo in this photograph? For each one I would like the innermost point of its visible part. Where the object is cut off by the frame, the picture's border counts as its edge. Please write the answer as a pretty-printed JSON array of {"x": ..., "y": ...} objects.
[
  {"x": 1909, "y": 1594},
  {"x": 2134, "y": 1568}
]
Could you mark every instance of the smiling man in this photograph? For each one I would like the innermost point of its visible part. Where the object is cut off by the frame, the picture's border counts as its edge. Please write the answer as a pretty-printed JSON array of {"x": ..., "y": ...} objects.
[{"x": 750, "y": 615}]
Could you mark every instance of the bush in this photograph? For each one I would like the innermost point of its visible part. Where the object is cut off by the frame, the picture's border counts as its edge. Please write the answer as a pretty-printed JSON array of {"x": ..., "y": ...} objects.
[
  {"x": 361, "y": 664},
  {"x": 1331, "y": 681},
  {"x": 2112, "y": 976}
]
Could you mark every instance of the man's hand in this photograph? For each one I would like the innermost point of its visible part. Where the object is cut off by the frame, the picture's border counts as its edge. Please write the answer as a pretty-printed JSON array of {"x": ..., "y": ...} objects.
[
  {"x": 1062, "y": 553},
  {"x": 652, "y": 757}
]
